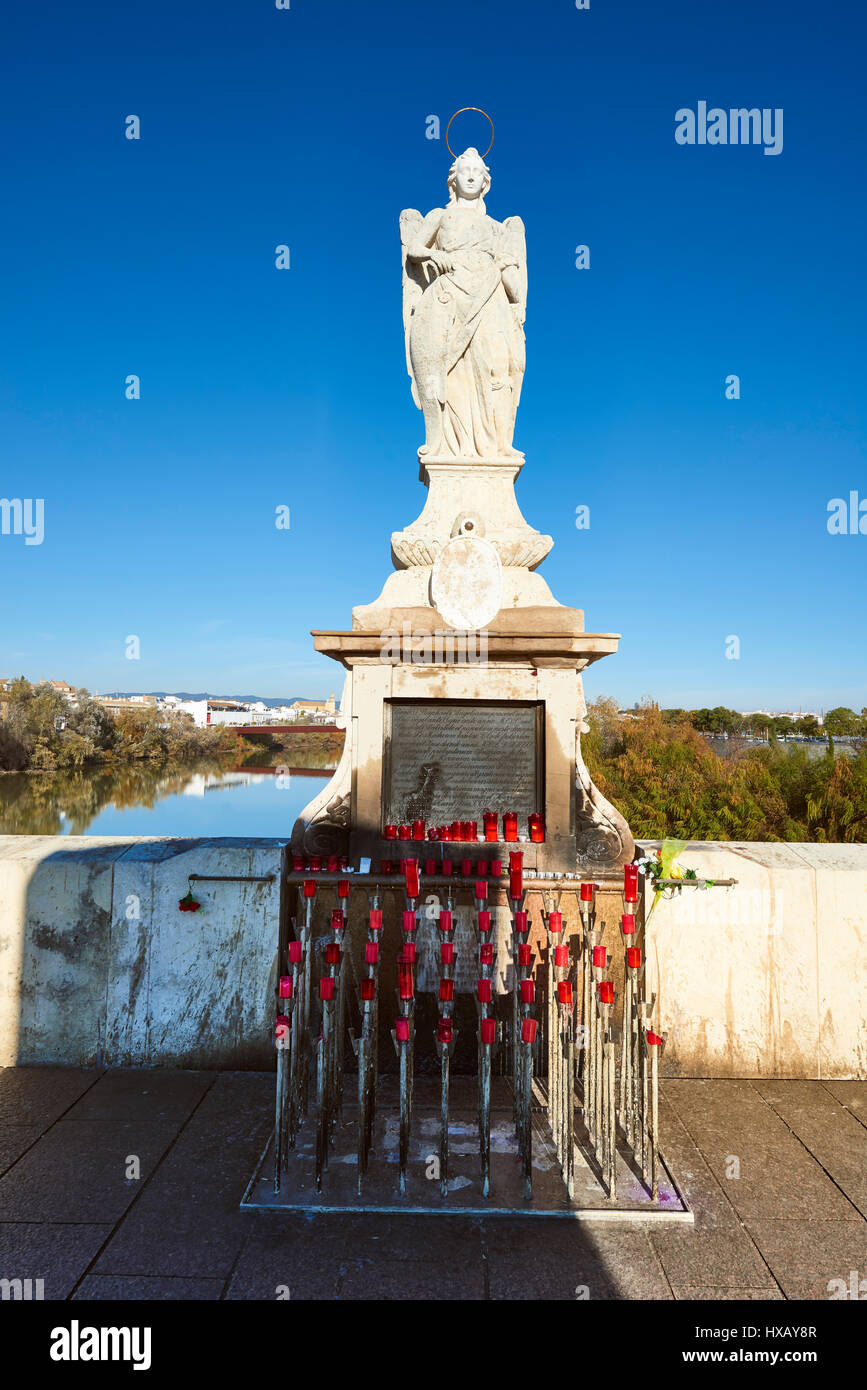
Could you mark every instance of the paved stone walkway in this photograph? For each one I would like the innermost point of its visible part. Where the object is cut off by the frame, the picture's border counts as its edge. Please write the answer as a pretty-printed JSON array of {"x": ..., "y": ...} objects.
[{"x": 775, "y": 1171}]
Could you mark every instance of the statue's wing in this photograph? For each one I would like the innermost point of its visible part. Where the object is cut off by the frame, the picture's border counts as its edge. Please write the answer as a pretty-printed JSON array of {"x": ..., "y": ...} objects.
[
  {"x": 516, "y": 242},
  {"x": 414, "y": 282}
]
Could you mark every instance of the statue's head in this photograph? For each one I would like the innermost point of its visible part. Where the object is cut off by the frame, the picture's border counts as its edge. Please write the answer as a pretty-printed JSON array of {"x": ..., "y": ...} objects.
[{"x": 469, "y": 176}]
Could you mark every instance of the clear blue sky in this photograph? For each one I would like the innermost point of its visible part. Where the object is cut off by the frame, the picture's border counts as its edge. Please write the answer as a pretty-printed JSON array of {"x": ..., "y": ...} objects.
[{"x": 263, "y": 387}]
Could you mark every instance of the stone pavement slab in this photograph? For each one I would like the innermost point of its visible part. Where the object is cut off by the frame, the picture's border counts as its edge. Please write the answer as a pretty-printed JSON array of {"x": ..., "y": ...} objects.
[
  {"x": 168, "y": 1097},
  {"x": 714, "y": 1259},
  {"x": 77, "y": 1172},
  {"x": 825, "y": 1127},
  {"x": 15, "y": 1140},
  {"x": 42, "y": 1250},
  {"x": 762, "y": 1167},
  {"x": 40, "y": 1095},
  {"x": 187, "y": 1221},
  {"x": 700, "y": 1295},
  {"x": 806, "y": 1257},
  {"x": 565, "y": 1262}
]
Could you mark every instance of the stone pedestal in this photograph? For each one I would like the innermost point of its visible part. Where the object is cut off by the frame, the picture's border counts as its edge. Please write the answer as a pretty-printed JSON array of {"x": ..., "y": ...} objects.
[{"x": 443, "y": 724}]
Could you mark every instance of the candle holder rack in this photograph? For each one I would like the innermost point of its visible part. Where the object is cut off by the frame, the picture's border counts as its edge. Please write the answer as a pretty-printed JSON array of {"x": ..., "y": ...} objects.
[{"x": 561, "y": 1117}]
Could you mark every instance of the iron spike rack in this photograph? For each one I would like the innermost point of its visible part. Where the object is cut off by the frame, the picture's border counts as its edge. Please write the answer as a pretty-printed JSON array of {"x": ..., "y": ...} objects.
[{"x": 594, "y": 1070}]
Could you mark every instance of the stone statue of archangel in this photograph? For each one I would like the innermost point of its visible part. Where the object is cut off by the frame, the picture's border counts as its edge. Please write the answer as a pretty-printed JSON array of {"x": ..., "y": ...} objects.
[{"x": 464, "y": 301}]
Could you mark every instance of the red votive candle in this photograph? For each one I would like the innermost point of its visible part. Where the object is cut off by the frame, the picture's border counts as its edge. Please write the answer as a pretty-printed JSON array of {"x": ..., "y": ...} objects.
[
  {"x": 606, "y": 992},
  {"x": 486, "y": 953},
  {"x": 528, "y": 992},
  {"x": 338, "y": 921},
  {"x": 555, "y": 921},
  {"x": 401, "y": 1029},
  {"x": 447, "y": 991},
  {"x": 536, "y": 827},
  {"x": 525, "y": 954},
  {"x": 344, "y": 862},
  {"x": 471, "y": 830},
  {"x": 418, "y": 830},
  {"x": 390, "y": 832},
  {"x": 522, "y": 923},
  {"x": 481, "y": 889},
  {"x": 332, "y": 953},
  {"x": 488, "y": 1030},
  {"x": 404, "y": 977},
  {"x": 446, "y": 920},
  {"x": 404, "y": 832},
  {"x": 496, "y": 868},
  {"x": 482, "y": 868},
  {"x": 409, "y": 953},
  {"x": 386, "y": 866},
  {"x": 448, "y": 866},
  {"x": 333, "y": 863},
  {"x": 285, "y": 987},
  {"x": 310, "y": 888},
  {"x": 483, "y": 990},
  {"x": 587, "y": 892},
  {"x": 630, "y": 883},
  {"x": 489, "y": 819},
  {"x": 343, "y": 888},
  {"x": 409, "y": 923},
  {"x": 467, "y": 868},
  {"x": 445, "y": 1030},
  {"x": 371, "y": 952},
  {"x": 315, "y": 863},
  {"x": 627, "y": 924},
  {"x": 457, "y": 830},
  {"x": 564, "y": 992},
  {"x": 484, "y": 920},
  {"x": 654, "y": 1039},
  {"x": 510, "y": 826},
  {"x": 296, "y": 952},
  {"x": 326, "y": 988},
  {"x": 600, "y": 956},
  {"x": 297, "y": 864},
  {"x": 561, "y": 955},
  {"x": 446, "y": 833},
  {"x": 633, "y": 957},
  {"x": 375, "y": 921},
  {"x": 447, "y": 952},
  {"x": 410, "y": 873},
  {"x": 430, "y": 867},
  {"x": 516, "y": 874},
  {"x": 368, "y": 988},
  {"x": 528, "y": 1030}
]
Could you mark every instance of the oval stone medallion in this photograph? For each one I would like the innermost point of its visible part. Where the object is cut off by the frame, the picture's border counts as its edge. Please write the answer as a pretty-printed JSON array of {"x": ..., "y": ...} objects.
[{"x": 466, "y": 583}]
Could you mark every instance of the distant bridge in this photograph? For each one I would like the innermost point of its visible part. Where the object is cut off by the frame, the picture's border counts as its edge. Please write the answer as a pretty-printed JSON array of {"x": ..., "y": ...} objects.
[{"x": 283, "y": 728}]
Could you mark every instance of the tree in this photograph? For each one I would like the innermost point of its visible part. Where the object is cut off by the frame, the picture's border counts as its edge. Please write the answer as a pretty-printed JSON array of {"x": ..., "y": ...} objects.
[{"x": 842, "y": 721}]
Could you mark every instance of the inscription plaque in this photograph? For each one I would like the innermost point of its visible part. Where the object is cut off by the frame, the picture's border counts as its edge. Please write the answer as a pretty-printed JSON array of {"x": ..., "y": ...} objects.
[{"x": 451, "y": 760}]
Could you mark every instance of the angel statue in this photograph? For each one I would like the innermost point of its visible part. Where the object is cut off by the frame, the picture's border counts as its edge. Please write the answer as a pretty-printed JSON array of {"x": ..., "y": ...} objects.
[{"x": 464, "y": 302}]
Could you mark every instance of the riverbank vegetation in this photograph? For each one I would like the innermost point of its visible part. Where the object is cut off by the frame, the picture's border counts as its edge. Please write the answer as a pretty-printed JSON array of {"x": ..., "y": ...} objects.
[
  {"x": 668, "y": 781},
  {"x": 43, "y": 731}
]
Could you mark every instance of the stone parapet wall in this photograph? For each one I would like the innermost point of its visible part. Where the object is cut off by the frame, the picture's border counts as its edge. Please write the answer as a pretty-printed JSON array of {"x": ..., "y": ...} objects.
[{"x": 768, "y": 978}]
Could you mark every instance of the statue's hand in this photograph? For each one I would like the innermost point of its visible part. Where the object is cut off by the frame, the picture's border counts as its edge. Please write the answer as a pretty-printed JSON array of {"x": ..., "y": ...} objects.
[{"x": 442, "y": 262}]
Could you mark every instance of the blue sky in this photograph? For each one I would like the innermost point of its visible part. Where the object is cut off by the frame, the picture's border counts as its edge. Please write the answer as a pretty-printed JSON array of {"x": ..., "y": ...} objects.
[{"x": 263, "y": 387}]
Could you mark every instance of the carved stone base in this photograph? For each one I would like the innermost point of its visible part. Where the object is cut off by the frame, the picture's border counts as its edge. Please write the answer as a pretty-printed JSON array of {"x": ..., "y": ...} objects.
[{"x": 470, "y": 497}]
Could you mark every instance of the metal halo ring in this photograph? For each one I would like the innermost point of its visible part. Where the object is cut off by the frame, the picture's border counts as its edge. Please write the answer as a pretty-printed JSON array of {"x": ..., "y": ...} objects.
[{"x": 460, "y": 112}]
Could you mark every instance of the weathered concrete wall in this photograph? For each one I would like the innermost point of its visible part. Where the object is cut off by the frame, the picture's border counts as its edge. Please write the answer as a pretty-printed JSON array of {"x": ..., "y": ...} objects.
[
  {"x": 98, "y": 964},
  {"x": 768, "y": 978}
]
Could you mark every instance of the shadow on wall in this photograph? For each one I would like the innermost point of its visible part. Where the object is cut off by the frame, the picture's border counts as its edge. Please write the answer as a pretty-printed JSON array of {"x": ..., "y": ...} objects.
[{"x": 98, "y": 966}]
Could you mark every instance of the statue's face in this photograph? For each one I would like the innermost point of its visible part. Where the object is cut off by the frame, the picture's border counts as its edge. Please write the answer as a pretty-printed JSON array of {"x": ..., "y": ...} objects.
[{"x": 469, "y": 177}]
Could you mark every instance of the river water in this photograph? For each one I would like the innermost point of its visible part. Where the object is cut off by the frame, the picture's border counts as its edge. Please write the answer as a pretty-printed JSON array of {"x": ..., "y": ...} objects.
[{"x": 260, "y": 797}]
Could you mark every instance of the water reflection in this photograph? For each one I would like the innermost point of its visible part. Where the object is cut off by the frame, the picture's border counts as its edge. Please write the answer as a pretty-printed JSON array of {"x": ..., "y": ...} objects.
[{"x": 142, "y": 798}]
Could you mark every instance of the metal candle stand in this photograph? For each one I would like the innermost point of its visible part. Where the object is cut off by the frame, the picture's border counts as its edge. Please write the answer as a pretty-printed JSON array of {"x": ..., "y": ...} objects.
[{"x": 607, "y": 1072}]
